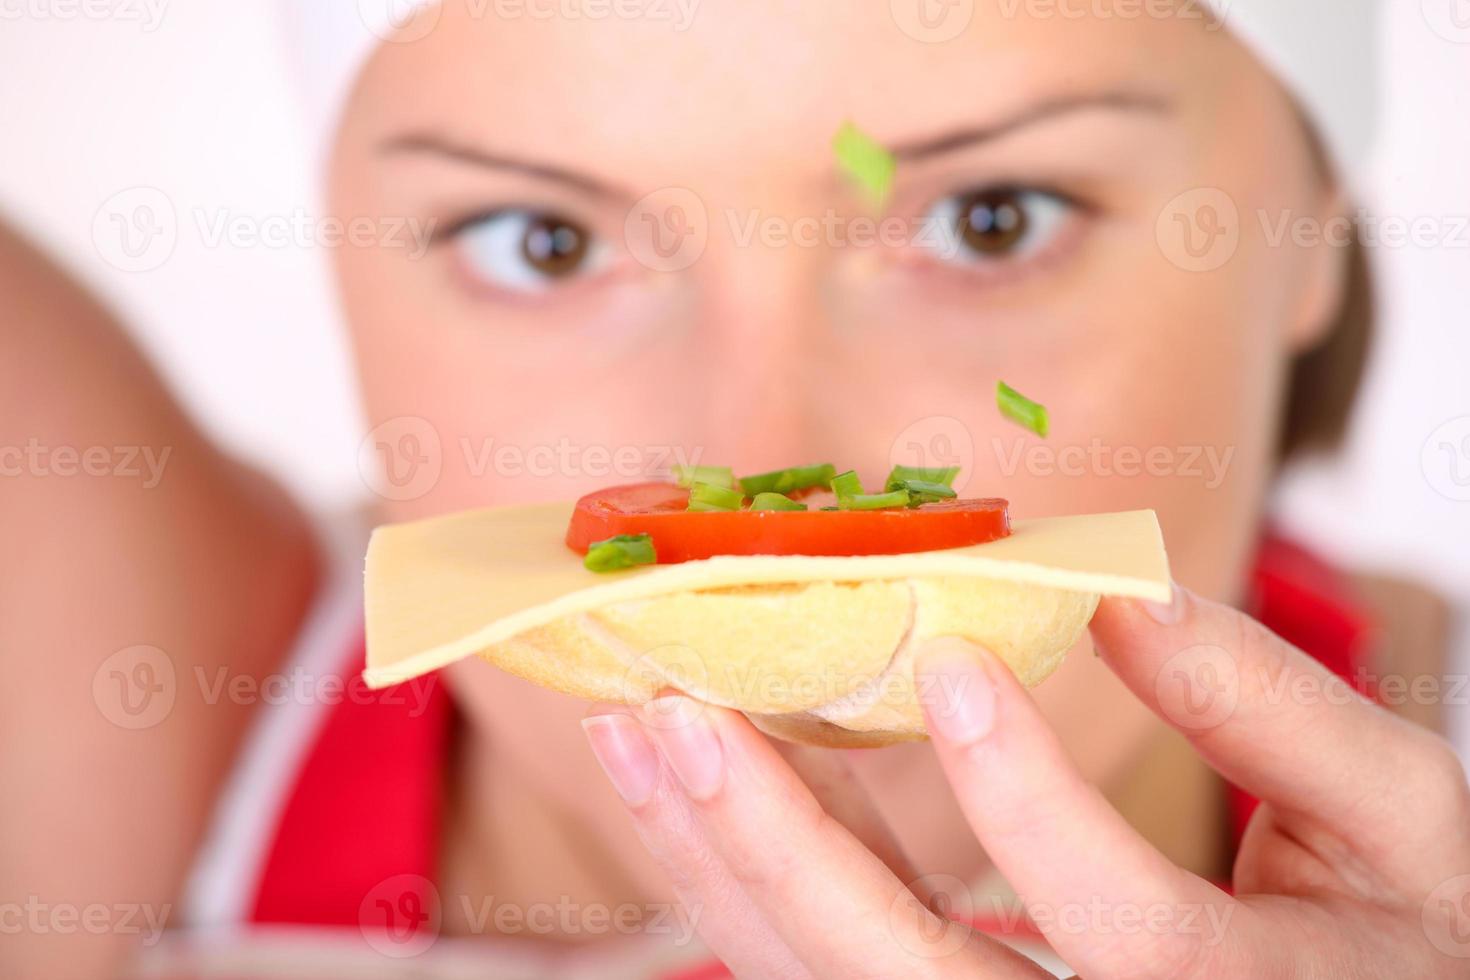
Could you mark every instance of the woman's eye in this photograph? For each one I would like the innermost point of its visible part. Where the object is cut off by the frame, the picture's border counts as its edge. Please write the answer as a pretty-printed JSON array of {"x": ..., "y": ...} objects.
[
  {"x": 995, "y": 225},
  {"x": 528, "y": 251}
]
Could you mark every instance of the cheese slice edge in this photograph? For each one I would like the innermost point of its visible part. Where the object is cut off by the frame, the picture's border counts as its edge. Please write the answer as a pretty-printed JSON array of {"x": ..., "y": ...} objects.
[{"x": 442, "y": 589}]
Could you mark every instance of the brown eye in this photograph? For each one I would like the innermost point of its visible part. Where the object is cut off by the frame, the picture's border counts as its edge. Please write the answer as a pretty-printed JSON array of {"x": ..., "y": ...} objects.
[
  {"x": 554, "y": 247},
  {"x": 994, "y": 225},
  {"x": 992, "y": 222},
  {"x": 526, "y": 251}
]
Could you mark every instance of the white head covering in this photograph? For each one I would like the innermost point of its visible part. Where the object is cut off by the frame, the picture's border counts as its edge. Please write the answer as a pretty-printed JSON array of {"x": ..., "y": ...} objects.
[
  {"x": 328, "y": 43},
  {"x": 1323, "y": 51}
]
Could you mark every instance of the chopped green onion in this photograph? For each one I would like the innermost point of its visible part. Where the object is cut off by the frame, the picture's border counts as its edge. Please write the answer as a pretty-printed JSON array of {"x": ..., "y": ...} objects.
[
  {"x": 943, "y": 475},
  {"x": 775, "y": 501},
  {"x": 865, "y": 162},
  {"x": 923, "y": 492},
  {"x": 831, "y": 508},
  {"x": 623, "y": 551},
  {"x": 707, "y": 497},
  {"x": 789, "y": 481},
  {"x": 846, "y": 485},
  {"x": 1022, "y": 410},
  {"x": 877, "y": 501},
  {"x": 715, "y": 476}
]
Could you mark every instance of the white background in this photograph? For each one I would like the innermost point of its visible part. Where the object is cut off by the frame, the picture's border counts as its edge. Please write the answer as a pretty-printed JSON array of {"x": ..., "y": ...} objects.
[{"x": 197, "y": 105}]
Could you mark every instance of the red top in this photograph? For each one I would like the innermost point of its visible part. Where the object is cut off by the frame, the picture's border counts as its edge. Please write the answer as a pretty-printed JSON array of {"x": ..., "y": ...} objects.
[{"x": 357, "y": 842}]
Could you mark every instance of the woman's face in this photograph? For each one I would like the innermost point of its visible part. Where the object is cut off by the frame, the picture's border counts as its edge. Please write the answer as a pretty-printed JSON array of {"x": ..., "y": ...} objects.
[{"x": 560, "y": 336}]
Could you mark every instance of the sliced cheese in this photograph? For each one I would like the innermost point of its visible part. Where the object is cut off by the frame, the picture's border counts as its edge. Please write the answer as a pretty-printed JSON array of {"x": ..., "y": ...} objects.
[{"x": 443, "y": 589}]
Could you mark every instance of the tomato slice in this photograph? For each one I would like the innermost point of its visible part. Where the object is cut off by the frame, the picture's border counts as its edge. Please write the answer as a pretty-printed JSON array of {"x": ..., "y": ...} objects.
[{"x": 660, "y": 510}]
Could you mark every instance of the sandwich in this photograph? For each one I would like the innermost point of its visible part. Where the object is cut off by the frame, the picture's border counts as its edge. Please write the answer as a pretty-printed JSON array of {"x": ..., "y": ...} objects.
[{"x": 797, "y": 597}]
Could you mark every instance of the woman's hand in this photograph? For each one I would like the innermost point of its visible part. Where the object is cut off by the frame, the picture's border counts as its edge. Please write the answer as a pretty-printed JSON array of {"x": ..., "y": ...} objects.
[{"x": 1356, "y": 865}]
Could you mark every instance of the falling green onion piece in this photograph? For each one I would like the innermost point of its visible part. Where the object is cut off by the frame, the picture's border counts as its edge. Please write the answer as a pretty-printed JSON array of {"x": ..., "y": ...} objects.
[
  {"x": 922, "y": 492},
  {"x": 877, "y": 501},
  {"x": 789, "y": 481},
  {"x": 943, "y": 475},
  {"x": 865, "y": 162},
  {"x": 715, "y": 476},
  {"x": 708, "y": 497},
  {"x": 775, "y": 501},
  {"x": 846, "y": 485},
  {"x": 623, "y": 551},
  {"x": 1022, "y": 410}
]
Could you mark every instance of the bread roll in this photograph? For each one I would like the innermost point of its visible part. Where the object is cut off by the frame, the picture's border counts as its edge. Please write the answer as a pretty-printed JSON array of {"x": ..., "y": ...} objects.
[{"x": 823, "y": 663}]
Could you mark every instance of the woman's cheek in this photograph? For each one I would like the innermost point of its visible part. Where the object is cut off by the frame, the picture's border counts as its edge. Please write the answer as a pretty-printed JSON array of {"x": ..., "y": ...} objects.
[
  {"x": 1162, "y": 394},
  {"x": 517, "y": 401}
]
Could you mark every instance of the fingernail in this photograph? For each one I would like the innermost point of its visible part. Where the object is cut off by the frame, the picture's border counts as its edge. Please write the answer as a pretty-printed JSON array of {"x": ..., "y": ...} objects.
[
  {"x": 625, "y": 754},
  {"x": 681, "y": 728},
  {"x": 1166, "y": 614},
  {"x": 957, "y": 694}
]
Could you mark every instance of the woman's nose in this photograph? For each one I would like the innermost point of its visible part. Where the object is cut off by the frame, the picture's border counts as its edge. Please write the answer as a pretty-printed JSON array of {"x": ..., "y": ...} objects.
[{"x": 760, "y": 331}]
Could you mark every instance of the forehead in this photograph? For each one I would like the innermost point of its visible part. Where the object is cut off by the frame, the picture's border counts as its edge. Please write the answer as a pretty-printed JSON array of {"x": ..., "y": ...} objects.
[{"x": 758, "y": 80}]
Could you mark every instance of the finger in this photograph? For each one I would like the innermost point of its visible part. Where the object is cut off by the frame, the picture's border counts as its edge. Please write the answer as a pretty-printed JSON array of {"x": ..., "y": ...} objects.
[
  {"x": 1083, "y": 873},
  {"x": 728, "y": 922},
  {"x": 838, "y": 792},
  {"x": 838, "y": 908},
  {"x": 1276, "y": 722}
]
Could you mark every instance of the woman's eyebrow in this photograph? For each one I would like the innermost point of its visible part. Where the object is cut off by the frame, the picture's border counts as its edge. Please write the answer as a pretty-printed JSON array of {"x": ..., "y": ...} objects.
[
  {"x": 1131, "y": 102},
  {"x": 431, "y": 144}
]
